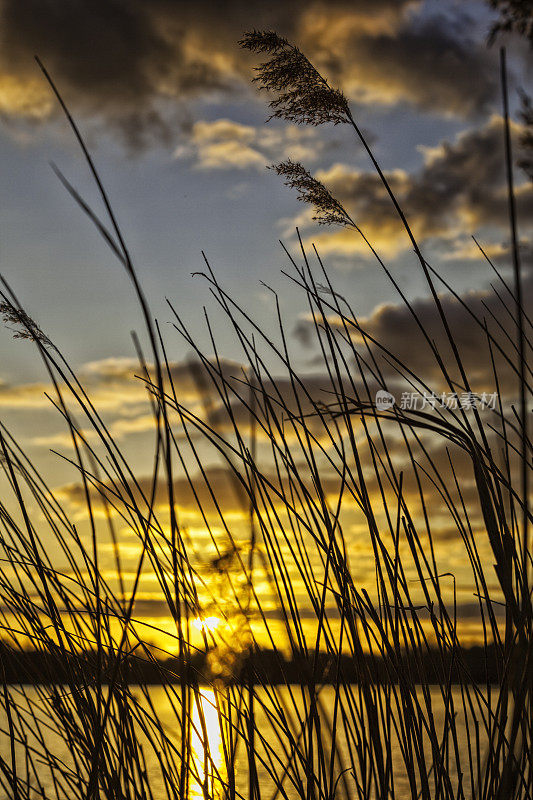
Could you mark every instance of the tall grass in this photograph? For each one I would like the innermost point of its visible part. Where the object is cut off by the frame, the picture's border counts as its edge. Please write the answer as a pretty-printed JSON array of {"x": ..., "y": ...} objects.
[{"x": 386, "y": 705}]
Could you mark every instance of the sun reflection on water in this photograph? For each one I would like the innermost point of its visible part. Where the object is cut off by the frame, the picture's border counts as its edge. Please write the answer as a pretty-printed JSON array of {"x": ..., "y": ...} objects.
[{"x": 208, "y": 776}]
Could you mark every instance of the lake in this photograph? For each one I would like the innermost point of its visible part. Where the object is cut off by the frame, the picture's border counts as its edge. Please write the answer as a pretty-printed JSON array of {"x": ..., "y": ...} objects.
[{"x": 209, "y": 775}]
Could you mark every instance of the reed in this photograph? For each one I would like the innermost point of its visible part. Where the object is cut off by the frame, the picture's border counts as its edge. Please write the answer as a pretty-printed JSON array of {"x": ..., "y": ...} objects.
[{"x": 386, "y": 705}]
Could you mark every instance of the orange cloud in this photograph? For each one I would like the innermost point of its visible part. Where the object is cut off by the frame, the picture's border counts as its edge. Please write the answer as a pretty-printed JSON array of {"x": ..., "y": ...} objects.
[{"x": 132, "y": 66}]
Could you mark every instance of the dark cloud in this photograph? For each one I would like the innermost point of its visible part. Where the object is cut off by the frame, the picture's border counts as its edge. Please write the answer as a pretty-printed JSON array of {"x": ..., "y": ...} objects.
[
  {"x": 432, "y": 63},
  {"x": 105, "y": 57},
  {"x": 395, "y": 328},
  {"x": 132, "y": 64},
  {"x": 154, "y": 607},
  {"x": 460, "y": 188},
  {"x": 194, "y": 494},
  {"x": 229, "y": 493},
  {"x": 466, "y": 179}
]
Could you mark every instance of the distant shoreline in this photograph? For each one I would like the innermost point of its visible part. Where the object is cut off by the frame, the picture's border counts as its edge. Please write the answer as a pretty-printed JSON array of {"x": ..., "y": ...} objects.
[{"x": 473, "y": 665}]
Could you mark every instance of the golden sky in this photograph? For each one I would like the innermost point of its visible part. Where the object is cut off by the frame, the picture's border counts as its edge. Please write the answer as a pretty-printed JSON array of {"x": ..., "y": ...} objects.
[{"x": 164, "y": 95}]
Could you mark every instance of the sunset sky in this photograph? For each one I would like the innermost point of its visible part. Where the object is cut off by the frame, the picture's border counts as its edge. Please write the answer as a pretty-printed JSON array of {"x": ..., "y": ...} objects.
[{"x": 163, "y": 94}]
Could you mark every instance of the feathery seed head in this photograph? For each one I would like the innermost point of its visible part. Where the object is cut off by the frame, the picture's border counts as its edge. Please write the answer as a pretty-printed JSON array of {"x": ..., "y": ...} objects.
[
  {"x": 303, "y": 95},
  {"x": 328, "y": 210},
  {"x": 26, "y": 328}
]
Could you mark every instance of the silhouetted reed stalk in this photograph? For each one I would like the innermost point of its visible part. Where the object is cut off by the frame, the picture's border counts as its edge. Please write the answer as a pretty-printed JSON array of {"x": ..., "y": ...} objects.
[{"x": 385, "y": 705}]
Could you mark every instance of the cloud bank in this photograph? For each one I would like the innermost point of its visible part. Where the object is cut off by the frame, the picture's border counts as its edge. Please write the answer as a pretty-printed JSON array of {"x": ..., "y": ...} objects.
[
  {"x": 132, "y": 65},
  {"x": 459, "y": 189}
]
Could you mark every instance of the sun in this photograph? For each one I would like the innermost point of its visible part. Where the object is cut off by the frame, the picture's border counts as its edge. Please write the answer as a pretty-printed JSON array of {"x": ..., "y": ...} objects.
[{"x": 206, "y": 623}]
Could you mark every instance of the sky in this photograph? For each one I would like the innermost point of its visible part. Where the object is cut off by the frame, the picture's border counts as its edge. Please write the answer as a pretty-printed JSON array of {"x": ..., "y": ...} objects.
[{"x": 164, "y": 96}]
